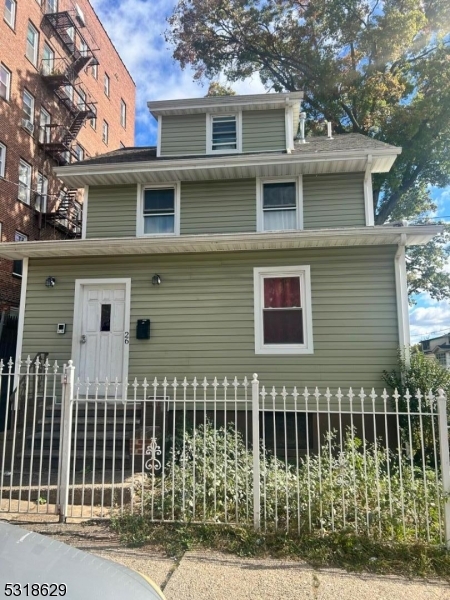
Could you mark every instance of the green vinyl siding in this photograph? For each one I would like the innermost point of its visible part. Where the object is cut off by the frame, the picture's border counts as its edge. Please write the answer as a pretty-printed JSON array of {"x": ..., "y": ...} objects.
[
  {"x": 183, "y": 135},
  {"x": 218, "y": 206},
  {"x": 263, "y": 130},
  {"x": 333, "y": 200},
  {"x": 202, "y": 315},
  {"x": 111, "y": 211}
]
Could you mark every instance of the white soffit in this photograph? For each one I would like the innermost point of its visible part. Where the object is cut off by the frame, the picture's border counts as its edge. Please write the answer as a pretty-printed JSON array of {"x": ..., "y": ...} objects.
[
  {"x": 202, "y": 169},
  {"x": 312, "y": 238}
]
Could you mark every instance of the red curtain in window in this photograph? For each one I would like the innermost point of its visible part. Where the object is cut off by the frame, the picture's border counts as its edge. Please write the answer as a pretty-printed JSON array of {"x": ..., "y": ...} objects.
[{"x": 282, "y": 292}]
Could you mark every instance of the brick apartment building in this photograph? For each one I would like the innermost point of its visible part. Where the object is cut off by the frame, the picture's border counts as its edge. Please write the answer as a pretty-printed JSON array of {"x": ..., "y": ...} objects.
[{"x": 65, "y": 95}]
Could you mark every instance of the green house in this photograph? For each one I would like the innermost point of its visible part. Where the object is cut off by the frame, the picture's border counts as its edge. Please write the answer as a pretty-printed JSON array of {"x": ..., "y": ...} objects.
[{"x": 235, "y": 246}]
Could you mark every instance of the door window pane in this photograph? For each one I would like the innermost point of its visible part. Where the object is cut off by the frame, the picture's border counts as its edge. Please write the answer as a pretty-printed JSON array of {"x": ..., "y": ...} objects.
[{"x": 105, "y": 317}]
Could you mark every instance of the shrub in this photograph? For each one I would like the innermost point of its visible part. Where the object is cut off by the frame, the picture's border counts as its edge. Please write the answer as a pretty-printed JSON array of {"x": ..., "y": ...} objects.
[{"x": 367, "y": 490}]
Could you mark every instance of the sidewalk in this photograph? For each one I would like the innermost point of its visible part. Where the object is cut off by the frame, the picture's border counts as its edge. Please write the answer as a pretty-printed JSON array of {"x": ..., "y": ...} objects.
[{"x": 203, "y": 575}]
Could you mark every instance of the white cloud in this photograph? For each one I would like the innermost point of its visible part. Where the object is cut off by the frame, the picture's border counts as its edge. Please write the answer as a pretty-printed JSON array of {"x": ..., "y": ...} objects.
[
  {"x": 136, "y": 28},
  {"x": 429, "y": 318}
]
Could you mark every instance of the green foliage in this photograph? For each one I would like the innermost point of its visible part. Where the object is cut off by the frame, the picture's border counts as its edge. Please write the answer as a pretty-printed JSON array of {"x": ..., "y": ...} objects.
[
  {"x": 209, "y": 477},
  {"x": 378, "y": 69}
]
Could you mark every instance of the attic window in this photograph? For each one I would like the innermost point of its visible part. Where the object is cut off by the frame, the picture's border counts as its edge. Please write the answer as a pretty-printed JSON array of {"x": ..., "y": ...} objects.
[{"x": 224, "y": 133}]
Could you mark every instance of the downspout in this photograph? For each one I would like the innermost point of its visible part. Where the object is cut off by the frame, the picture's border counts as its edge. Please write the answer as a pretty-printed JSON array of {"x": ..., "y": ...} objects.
[{"x": 401, "y": 286}]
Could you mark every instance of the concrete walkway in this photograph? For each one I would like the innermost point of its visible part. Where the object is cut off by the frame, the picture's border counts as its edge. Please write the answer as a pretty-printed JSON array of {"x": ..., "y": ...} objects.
[{"x": 203, "y": 575}]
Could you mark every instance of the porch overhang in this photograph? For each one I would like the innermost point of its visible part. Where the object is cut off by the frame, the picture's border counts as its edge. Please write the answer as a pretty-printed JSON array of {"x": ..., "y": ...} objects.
[
  {"x": 245, "y": 166},
  {"x": 239, "y": 242}
]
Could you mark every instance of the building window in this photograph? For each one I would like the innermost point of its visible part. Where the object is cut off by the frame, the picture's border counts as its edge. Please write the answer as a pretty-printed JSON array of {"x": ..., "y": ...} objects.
[
  {"x": 224, "y": 133},
  {"x": 68, "y": 90},
  {"x": 95, "y": 71},
  {"x": 5, "y": 82},
  {"x": 81, "y": 102},
  {"x": 51, "y": 6},
  {"x": 17, "y": 264},
  {"x": 32, "y": 44},
  {"x": 28, "y": 111},
  {"x": 10, "y": 13},
  {"x": 79, "y": 151},
  {"x": 123, "y": 114},
  {"x": 83, "y": 48},
  {"x": 442, "y": 359},
  {"x": 160, "y": 210},
  {"x": 283, "y": 318},
  {"x": 42, "y": 193},
  {"x": 279, "y": 204},
  {"x": 48, "y": 60},
  {"x": 93, "y": 121},
  {"x": 24, "y": 182},
  {"x": 2, "y": 160},
  {"x": 44, "y": 129},
  {"x": 106, "y": 85},
  {"x": 105, "y": 132}
]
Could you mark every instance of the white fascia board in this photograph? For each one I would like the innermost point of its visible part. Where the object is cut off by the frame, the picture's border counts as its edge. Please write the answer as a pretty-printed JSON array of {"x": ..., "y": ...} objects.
[{"x": 351, "y": 236}]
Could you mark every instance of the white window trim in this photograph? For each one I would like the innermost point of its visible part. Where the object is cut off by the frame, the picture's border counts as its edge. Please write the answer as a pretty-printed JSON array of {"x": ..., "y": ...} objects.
[
  {"x": 36, "y": 46},
  {"x": 8, "y": 86},
  {"x": 140, "y": 208},
  {"x": 259, "y": 274},
  {"x": 13, "y": 14},
  {"x": 3, "y": 161},
  {"x": 260, "y": 181},
  {"x": 30, "y": 181},
  {"x": 209, "y": 118},
  {"x": 32, "y": 107}
]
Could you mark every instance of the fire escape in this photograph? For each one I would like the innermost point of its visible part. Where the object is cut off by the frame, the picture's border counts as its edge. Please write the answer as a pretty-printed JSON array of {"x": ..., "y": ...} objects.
[{"x": 58, "y": 140}]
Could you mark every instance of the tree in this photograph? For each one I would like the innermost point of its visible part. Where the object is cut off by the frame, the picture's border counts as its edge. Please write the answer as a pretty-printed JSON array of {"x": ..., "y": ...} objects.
[
  {"x": 216, "y": 89},
  {"x": 381, "y": 69}
]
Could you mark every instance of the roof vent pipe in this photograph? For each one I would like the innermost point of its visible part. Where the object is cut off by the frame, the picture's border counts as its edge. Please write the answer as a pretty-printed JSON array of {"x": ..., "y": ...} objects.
[
  {"x": 330, "y": 133},
  {"x": 301, "y": 134}
]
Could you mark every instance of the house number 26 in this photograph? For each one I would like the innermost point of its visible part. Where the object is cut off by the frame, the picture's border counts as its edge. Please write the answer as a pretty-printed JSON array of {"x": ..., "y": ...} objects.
[{"x": 127, "y": 337}]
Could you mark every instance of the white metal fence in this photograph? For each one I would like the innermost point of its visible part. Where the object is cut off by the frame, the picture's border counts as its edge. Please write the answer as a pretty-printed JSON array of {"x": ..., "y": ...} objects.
[{"x": 227, "y": 452}]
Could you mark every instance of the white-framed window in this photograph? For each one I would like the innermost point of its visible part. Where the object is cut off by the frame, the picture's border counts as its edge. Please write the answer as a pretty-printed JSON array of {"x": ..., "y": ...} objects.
[
  {"x": 83, "y": 48},
  {"x": 224, "y": 133},
  {"x": 159, "y": 209},
  {"x": 123, "y": 113},
  {"x": 81, "y": 99},
  {"x": 42, "y": 191},
  {"x": 10, "y": 13},
  {"x": 68, "y": 89},
  {"x": 51, "y": 6},
  {"x": 283, "y": 314},
  {"x": 105, "y": 132},
  {"x": 32, "y": 44},
  {"x": 48, "y": 60},
  {"x": 28, "y": 111},
  {"x": 17, "y": 264},
  {"x": 443, "y": 359},
  {"x": 5, "y": 82},
  {"x": 106, "y": 85},
  {"x": 2, "y": 160},
  {"x": 93, "y": 121},
  {"x": 24, "y": 188},
  {"x": 44, "y": 130},
  {"x": 79, "y": 151},
  {"x": 279, "y": 204},
  {"x": 71, "y": 33},
  {"x": 94, "y": 71}
]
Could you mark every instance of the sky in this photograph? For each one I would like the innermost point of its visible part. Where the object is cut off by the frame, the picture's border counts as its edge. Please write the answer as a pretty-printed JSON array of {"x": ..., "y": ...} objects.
[{"x": 136, "y": 28}]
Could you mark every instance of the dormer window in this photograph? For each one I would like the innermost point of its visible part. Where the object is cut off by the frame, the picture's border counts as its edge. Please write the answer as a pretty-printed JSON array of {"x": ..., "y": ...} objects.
[{"x": 224, "y": 134}]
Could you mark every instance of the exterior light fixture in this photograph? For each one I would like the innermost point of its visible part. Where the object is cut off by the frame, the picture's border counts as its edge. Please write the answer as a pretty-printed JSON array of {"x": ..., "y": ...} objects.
[
  {"x": 156, "y": 279},
  {"x": 50, "y": 282}
]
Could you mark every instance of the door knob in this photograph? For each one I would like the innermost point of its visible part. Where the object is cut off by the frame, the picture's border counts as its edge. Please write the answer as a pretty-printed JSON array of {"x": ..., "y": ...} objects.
[{"x": 83, "y": 339}]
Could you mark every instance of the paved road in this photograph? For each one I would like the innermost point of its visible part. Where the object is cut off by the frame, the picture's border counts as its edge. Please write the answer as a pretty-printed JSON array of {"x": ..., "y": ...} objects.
[{"x": 202, "y": 575}]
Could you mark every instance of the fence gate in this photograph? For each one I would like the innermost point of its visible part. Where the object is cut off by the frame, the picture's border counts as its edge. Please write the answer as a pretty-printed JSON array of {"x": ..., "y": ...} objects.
[{"x": 228, "y": 451}]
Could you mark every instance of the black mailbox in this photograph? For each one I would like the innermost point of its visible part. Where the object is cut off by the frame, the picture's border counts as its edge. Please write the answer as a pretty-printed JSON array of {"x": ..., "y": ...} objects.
[{"x": 143, "y": 329}]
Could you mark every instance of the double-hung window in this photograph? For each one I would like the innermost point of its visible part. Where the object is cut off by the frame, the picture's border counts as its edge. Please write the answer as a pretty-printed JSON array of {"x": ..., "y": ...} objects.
[
  {"x": 279, "y": 204},
  {"x": 93, "y": 120},
  {"x": 5, "y": 82},
  {"x": 2, "y": 160},
  {"x": 24, "y": 189},
  {"x": 10, "y": 13},
  {"x": 48, "y": 60},
  {"x": 105, "y": 132},
  {"x": 106, "y": 85},
  {"x": 123, "y": 114},
  {"x": 224, "y": 133},
  {"x": 28, "y": 111},
  {"x": 160, "y": 210},
  {"x": 32, "y": 44},
  {"x": 42, "y": 190},
  {"x": 283, "y": 318},
  {"x": 44, "y": 129}
]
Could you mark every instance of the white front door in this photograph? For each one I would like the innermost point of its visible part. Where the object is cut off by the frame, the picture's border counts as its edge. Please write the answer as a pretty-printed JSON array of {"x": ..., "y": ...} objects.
[{"x": 102, "y": 332}]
